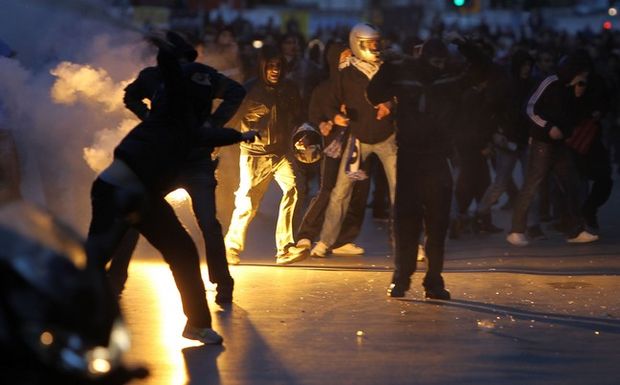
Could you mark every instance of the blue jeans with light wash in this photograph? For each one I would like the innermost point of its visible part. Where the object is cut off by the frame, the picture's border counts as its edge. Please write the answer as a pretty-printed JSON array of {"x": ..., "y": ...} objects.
[{"x": 341, "y": 193}]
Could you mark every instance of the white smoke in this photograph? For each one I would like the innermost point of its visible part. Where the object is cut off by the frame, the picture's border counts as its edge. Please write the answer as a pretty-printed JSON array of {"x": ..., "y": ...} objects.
[
  {"x": 92, "y": 85},
  {"x": 62, "y": 96},
  {"x": 99, "y": 155}
]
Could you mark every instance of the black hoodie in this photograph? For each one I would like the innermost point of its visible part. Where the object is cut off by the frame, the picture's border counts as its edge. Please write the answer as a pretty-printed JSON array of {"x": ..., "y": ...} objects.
[
  {"x": 272, "y": 110},
  {"x": 324, "y": 103}
]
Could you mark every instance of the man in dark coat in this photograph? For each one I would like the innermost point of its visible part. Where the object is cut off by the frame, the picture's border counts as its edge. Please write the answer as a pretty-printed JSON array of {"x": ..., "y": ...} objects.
[
  {"x": 426, "y": 101},
  {"x": 197, "y": 175},
  {"x": 147, "y": 161}
]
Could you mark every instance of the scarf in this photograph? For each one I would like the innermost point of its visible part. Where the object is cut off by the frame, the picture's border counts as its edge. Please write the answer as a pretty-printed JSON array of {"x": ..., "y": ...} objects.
[
  {"x": 367, "y": 68},
  {"x": 353, "y": 168}
]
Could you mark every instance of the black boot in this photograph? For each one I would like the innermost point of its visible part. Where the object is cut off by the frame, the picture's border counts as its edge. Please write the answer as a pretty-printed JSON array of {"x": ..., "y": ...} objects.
[{"x": 437, "y": 293}]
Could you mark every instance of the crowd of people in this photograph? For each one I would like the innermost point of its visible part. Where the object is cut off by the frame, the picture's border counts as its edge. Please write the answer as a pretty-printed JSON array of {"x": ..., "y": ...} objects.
[
  {"x": 436, "y": 125},
  {"x": 429, "y": 122}
]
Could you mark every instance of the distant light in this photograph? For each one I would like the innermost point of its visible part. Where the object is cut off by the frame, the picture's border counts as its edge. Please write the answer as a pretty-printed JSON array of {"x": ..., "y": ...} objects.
[
  {"x": 99, "y": 365},
  {"x": 612, "y": 11},
  {"x": 458, "y": 3},
  {"x": 47, "y": 338},
  {"x": 607, "y": 25},
  {"x": 257, "y": 44}
]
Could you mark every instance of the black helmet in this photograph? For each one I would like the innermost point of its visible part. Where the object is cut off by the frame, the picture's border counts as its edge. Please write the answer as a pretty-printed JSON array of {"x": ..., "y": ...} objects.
[
  {"x": 58, "y": 319},
  {"x": 307, "y": 144}
]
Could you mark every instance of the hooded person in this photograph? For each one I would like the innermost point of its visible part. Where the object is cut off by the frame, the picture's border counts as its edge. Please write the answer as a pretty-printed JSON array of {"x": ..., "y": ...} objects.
[
  {"x": 553, "y": 115},
  {"x": 272, "y": 108},
  {"x": 371, "y": 128},
  {"x": 130, "y": 192},
  {"x": 197, "y": 175},
  {"x": 325, "y": 113}
]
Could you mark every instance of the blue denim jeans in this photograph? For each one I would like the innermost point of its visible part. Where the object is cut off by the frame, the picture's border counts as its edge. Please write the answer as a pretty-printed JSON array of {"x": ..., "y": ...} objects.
[{"x": 341, "y": 193}]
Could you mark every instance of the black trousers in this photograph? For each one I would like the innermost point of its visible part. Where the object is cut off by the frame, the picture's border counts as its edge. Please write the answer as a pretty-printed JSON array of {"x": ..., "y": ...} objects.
[
  {"x": 473, "y": 178},
  {"x": 595, "y": 167},
  {"x": 422, "y": 204},
  {"x": 199, "y": 181},
  {"x": 312, "y": 222},
  {"x": 114, "y": 212}
]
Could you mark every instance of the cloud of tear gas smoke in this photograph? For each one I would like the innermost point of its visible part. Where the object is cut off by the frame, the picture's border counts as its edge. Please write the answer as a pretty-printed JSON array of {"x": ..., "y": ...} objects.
[
  {"x": 62, "y": 97},
  {"x": 93, "y": 85},
  {"x": 99, "y": 155}
]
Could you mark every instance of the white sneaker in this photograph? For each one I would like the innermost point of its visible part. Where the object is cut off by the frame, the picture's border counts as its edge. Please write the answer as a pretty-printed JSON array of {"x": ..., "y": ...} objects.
[
  {"x": 348, "y": 249},
  {"x": 583, "y": 237},
  {"x": 304, "y": 243},
  {"x": 207, "y": 336},
  {"x": 421, "y": 253},
  {"x": 319, "y": 250},
  {"x": 517, "y": 239}
]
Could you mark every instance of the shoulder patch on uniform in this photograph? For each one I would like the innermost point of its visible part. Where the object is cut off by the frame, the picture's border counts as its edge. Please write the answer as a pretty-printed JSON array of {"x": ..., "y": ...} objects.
[{"x": 201, "y": 78}]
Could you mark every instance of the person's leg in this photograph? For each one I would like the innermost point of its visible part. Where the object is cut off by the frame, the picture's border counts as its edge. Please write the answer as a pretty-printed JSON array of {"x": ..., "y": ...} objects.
[
  {"x": 504, "y": 166},
  {"x": 119, "y": 265},
  {"x": 255, "y": 173},
  {"x": 199, "y": 181},
  {"x": 284, "y": 176},
  {"x": 408, "y": 225},
  {"x": 598, "y": 169},
  {"x": 567, "y": 177},
  {"x": 313, "y": 218},
  {"x": 386, "y": 152},
  {"x": 381, "y": 192},
  {"x": 354, "y": 218},
  {"x": 112, "y": 209},
  {"x": 539, "y": 160},
  {"x": 303, "y": 176},
  {"x": 437, "y": 198},
  {"x": 482, "y": 177},
  {"x": 464, "y": 188},
  {"x": 338, "y": 204},
  {"x": 161, "y": 227}
]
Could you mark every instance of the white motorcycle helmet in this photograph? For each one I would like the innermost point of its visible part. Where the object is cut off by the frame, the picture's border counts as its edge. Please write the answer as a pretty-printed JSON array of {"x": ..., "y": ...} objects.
[{"x": 364, "y": 40}]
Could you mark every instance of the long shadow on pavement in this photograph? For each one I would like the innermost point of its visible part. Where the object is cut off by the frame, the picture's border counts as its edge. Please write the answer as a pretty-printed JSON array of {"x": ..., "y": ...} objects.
[{"x": 591, "y": 323}]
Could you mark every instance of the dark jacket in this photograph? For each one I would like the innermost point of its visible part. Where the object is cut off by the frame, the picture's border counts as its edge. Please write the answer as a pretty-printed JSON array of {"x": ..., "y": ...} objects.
[
  {"x": 272, "y": 110},
  {"x": 553, "y": 103},
  {"x": 324, "y": 103},
  {"x": 427, "y": 102},
  {"x": 361, "y": 112},
  {"x": 158, "y": 147}
]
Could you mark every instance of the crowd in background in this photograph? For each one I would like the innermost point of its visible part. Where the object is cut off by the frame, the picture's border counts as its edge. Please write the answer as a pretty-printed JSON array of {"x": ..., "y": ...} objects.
[{"x": 232, "y": 49}]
